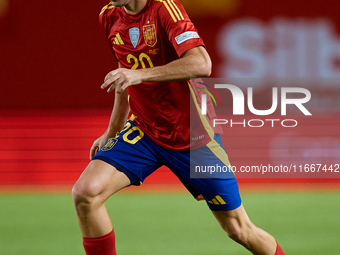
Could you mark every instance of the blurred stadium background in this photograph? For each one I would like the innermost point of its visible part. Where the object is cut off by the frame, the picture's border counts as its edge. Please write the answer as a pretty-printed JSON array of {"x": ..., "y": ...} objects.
[{"x": 53, "y": 58}]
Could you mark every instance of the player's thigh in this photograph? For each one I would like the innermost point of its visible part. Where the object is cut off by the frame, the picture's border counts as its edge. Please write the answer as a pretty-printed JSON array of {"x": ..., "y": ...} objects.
[
  {"x": 131, "y": 152},
  {"x": 218, "y": 188},
  {"x": 100, "y": 180}
]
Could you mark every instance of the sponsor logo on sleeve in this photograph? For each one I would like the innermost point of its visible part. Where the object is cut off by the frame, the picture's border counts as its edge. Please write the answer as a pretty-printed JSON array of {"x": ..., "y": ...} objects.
[{"x": 186, "y": 36}]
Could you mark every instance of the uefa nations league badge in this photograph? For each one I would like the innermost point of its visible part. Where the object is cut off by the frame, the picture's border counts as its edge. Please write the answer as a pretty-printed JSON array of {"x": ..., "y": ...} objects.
[{"x": 134, "y": 36}]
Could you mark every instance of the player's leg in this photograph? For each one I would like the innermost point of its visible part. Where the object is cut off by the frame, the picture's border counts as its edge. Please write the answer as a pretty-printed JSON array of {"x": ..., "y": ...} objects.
[
  {"x": 96, "y": 184},
  {"x": 239, "y": 228},
  {"x": 126, "y": 159},
  {"x": 220, "y": 190}
]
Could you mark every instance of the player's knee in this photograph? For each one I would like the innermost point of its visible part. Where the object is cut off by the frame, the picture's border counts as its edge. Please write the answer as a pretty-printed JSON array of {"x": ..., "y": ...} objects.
[
  {"x": 85, "y": 194},
  {"x": 239, "y": 233}
]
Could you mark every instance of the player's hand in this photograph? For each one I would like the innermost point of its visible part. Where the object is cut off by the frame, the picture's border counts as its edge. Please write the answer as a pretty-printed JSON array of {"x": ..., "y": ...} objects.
[
  {"x": 98, "y": 144},
  {"x": 120, "y": 79}
]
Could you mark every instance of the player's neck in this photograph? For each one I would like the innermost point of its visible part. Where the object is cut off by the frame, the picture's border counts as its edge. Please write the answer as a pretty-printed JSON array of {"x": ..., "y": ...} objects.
[{"x": 135, "y": 6}]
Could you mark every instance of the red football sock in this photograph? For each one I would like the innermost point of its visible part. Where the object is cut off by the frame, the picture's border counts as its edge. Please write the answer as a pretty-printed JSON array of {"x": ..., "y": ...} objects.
[
  {"x": 279, "y": 251},
  {"x": 103, "y": 245}
]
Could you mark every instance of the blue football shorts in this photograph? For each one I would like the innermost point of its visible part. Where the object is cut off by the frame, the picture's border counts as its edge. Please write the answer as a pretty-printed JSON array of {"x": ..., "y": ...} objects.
[{"x": 137, "y": 156}]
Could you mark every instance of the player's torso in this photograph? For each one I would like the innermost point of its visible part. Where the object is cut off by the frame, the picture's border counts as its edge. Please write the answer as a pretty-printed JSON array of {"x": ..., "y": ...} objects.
[
  {"x": 141, "y": 41},
  {"x": 138, "y": 40}
]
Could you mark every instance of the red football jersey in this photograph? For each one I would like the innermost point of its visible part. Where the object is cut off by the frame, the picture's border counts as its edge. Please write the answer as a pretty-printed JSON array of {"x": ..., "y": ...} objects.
[{"x": 157, "y": 35}]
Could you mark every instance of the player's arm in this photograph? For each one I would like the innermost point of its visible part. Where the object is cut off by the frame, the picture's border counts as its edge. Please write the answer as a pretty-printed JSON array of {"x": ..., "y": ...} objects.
[
  {"x": 193, "y": 63},
  {"x": 117, "y": 120}
]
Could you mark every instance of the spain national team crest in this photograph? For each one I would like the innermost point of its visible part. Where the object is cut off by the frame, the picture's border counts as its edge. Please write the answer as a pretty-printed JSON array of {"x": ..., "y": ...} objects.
[
  {"x": 134, "y": 36},
  {"x": 150, "y": 37},
  {"x": 109, "y": 144}
]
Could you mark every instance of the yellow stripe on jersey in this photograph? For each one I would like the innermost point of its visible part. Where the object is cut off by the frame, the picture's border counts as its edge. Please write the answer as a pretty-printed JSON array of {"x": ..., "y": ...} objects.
[
  {"x": 119, "y": 39},
  {"x": 213, "y": 145},
  {"x": 169, "y": 10},
  {"x": 179, "y": 12},
  {"x": 172, "y": 9},
  {"x": 106, "y": 7}
]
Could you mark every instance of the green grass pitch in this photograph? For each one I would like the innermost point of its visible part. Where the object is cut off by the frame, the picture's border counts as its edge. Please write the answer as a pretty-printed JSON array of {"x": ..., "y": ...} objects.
[{"x": 164, "y": 224}]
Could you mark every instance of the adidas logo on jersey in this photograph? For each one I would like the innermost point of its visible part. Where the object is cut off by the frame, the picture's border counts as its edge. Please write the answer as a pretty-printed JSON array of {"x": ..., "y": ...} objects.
[
  {"x": 217, "y": 201},
  {"x": 118, "y": 40}
]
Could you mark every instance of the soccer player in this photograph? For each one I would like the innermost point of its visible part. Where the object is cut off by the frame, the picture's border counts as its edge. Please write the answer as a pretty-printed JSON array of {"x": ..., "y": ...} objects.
[{"x": 158, "y": 50}]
